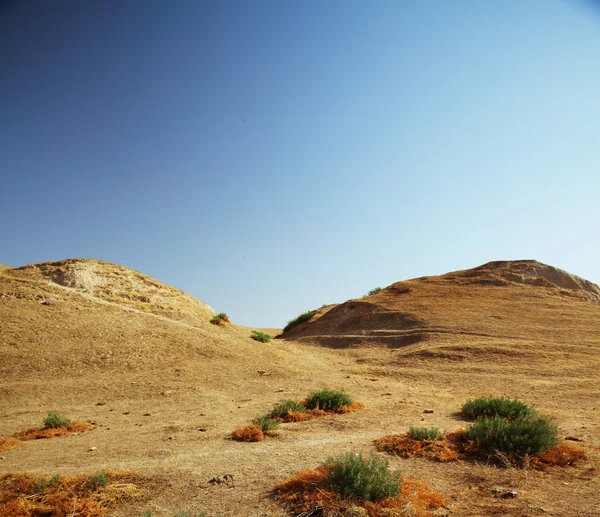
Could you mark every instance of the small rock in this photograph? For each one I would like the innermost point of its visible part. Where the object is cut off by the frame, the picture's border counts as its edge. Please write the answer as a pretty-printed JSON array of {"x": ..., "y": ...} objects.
[
  {"x": 202, "y": 429},
  {"x": 125, "y": 412},
  {"x": 48, "y": 301},
  {"x": 167, "y": 393},
  {"x": 171, "y": 437},
  {"x": 497, "y": 490},
  {"x": 574, "y": 438},
  {"x": 511, "y": 494},
  {"x": 428, "y": 411},
  {"x": 280, "y": 389},
  {"x": 2, "y": 457},
  {"x": 387, "y": 393},
  {"x": 146, "y": 414},
  {"x": 91, "y": 449}
]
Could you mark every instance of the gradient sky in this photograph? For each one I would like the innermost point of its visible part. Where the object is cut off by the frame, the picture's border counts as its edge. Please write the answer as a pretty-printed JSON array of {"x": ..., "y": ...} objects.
[{"x": 269, "y": 157}]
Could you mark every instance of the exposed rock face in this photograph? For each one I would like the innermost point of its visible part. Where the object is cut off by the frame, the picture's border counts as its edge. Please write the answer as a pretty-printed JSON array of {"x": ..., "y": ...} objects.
[{"x": 119, "y": 285}]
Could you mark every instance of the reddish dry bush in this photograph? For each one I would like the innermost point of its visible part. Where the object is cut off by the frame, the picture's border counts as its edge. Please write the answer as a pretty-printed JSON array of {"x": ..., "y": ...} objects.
[
  {"x": 51, "y": 432},
  {"x": 250, "y": 433},
  {"x": 25, "y": 495},
  {"x": 355, "y": 406},
  {"x": 450, "y": 446},
  {"x": 309, "y": 489},
  {"x": 562, "y": 455},
  {"x": 296, "y": 416},
  {"x": 8, "y": 443}
]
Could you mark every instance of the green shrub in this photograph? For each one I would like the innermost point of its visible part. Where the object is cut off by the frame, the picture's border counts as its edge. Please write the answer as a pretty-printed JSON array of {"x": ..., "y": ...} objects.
[
  {"x": 328, "y": 400},
  {"x": 424, "y": 433},
  {"x": 266, "y": 423},
  {"x": 216, "y": 320},
  {"x": 260, "y": 336},
  {"x": 41, "y": 484},
  {"x": 223, "y": 316},
  {"x": 305, "y": 316},
  {"x": 98, "y": 479},
  {"x": 368, "y": 479},
  {"x": 529, "y": 435},
  {"x": 497, "y": 406},
  {"x": 55, "y": 420},
  {"x": 374, "y": 291},
  {"x": 285, "y": 407}
]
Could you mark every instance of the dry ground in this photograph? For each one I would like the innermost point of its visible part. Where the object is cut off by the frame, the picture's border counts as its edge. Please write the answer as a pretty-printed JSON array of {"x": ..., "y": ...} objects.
[{"x": 165, "y": 388}]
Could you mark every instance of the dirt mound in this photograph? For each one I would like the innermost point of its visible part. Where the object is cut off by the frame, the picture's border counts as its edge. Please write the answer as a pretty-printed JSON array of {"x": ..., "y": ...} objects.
[
  {"x": 474, "y": 302},
  {"x": 119, "y": 285},
  {"x": 529, "y": 272}
]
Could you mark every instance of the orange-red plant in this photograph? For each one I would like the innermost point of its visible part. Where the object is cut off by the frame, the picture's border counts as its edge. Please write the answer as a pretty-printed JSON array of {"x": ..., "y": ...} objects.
[{"x": 249, "y": 433}]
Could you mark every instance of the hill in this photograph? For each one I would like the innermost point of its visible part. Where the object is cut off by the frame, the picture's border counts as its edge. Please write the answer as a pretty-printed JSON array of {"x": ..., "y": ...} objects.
[{"x": 165, "y": 387}]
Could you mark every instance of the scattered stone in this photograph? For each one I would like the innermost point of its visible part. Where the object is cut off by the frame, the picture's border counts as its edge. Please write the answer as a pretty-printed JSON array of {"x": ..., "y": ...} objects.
[
  {"x": 497, "y": 490},
  {"x": 125, "y": 412},
  {"x": 428, "y": 411},
  {"x": 100, "y": 403},
  {"x": 280, "y": 389},
  {"x": 511, "y": 494},
  {"x": 386, "y": 394},
  {"x": 167, "y": 393},
  {"x": 225, "y": 479},
  {"x": 171, "y": 437},
  {"x": 146, "y": 414},
  {"x": 574, "y": 438},
  {"x": 263, "y": 372},
  {"x": 92, "y": 449},
  {"x": 48, "y": 301},
  {"x": 2, "y": 457},
  {"x": 202, "y": 429}
]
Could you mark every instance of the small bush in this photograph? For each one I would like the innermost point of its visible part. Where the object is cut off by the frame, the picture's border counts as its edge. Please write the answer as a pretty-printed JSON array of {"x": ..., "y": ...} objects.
[
  {"x": 217, "y": 320},
  {"x": 266, "y": 423},
  {"x": 98, "y": 479},
  {"x": 41, "y": 484},
  {"x": 54, "y": 420},
  {"x": 424, "y": 433},
  {"x": 520, "y": 436},
  {"x": 496, "y": 406},
  {"x": 284, "y": 408},
  {"x": 260, "y": 336},
  {"x": 223, "y": 316},
  {"x": 305, "y": 316},
  {"x": 374, "y": 291},
  {"x": 250, "y": 433},
  {"x": 328, "y": 400},
  {"x": 368, "y": 479}
]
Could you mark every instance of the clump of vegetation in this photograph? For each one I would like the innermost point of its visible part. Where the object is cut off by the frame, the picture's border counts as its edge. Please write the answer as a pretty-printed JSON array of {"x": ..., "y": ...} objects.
[
  {"x": 22, "y": 495},
  {"x": 249, "y": 433},
  {"x": 328, "y": 400},
  {"x": 267, "y": 423},
  {"x": 448, "y": 447},
  {"x": 54, "y": 420},
  {"x": 497, "y": 406},
  {"x": 305, "y": 316},
  {"x": 368, "y": 479},
  {"x": 220, "y": 319},
  {"x": 424, "y": 433},
  {"x": 260, "y": 336},
  {"x": 521, "y": 436},
  {"x": 284, "y": 408},
  {"x": 374, "y": 291},
  {"x": 99, "y": 479}
]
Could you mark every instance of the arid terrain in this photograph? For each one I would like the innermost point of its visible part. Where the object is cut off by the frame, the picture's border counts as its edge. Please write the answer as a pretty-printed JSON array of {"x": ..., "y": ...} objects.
[{"x": 165, "y": 387}]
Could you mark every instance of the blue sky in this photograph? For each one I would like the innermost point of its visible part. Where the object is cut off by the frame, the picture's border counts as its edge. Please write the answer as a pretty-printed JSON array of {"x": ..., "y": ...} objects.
[{"x": 269, "y": 157}]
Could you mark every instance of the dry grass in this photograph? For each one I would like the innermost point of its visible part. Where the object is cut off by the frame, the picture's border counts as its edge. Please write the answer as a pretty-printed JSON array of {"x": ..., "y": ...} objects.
[
  {"x": 455, "y": 446},
  {"x": 40, "y": 433},
  {"x": 308, "y": 489},
  {"x": 563, "y": 455},
  {"x": 51, "y": 432},
  {"x": 449, "y": 447},
  {"x": 25, "y": 495},
  {"x": 249, "y": 433}
]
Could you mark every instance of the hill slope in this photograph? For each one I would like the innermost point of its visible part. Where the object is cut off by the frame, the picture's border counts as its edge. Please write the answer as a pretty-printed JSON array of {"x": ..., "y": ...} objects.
[{"x": 165, "y": 387}]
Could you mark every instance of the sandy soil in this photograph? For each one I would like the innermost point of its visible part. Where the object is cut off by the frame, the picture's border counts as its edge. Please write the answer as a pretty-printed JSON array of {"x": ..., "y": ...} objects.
[{"x": 165, "y": 392}]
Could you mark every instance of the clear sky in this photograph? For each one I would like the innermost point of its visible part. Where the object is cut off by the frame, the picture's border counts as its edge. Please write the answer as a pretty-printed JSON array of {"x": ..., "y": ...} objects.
[{"x": 269, "y": 157}]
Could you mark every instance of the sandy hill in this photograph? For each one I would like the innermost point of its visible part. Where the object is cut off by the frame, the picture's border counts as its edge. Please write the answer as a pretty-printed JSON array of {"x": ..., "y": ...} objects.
[{"x": 101, "y": 342}]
